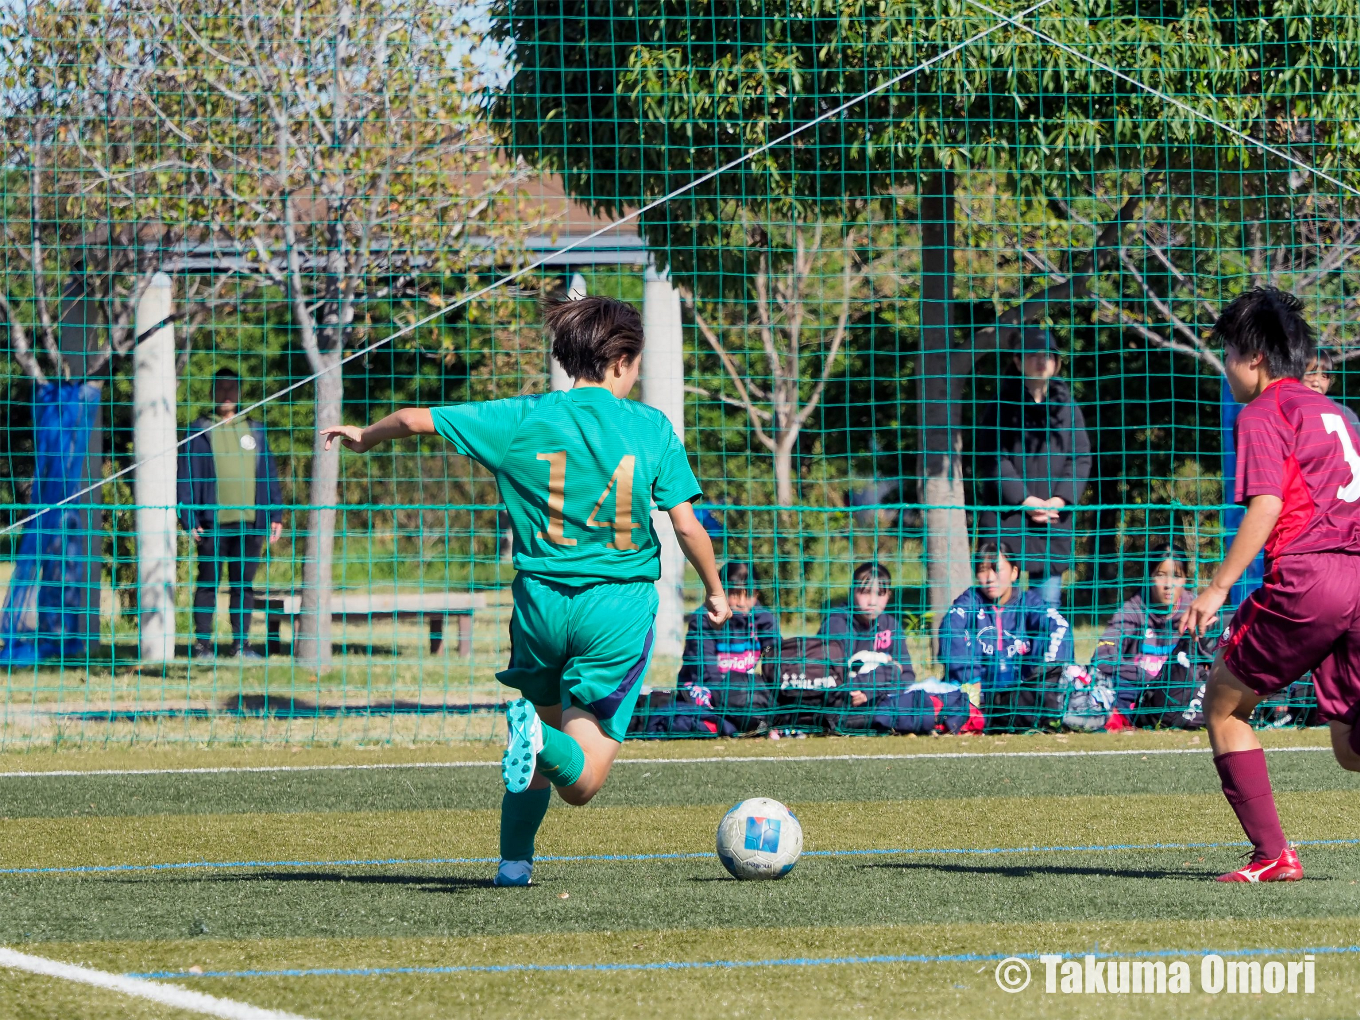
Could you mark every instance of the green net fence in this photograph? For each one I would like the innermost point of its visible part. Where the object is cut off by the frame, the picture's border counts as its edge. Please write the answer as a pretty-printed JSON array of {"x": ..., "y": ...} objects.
[{"x": 853, "y": 230}]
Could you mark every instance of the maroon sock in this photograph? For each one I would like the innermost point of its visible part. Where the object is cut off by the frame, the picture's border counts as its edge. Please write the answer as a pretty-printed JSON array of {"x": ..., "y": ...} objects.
[{"x": 1246, "y": 784}]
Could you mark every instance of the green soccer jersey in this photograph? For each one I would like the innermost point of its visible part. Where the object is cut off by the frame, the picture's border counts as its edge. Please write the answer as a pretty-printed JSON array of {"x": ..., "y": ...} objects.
[{"x": 578, "y": 471}]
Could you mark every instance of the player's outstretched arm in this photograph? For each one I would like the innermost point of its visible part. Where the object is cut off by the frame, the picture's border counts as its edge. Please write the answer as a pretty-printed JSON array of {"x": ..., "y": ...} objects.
[
  {"x": 1262, "y": 513},
  {"x": 698, "y": 549},
  {"x": 409, "y": 421}
]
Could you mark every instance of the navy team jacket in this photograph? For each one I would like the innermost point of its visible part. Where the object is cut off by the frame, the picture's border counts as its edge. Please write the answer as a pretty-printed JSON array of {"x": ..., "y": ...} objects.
[
  {"x": 885, "y": 636},
  {"x": 734, "y": 646},
  {"x": 999, "y": 646}
]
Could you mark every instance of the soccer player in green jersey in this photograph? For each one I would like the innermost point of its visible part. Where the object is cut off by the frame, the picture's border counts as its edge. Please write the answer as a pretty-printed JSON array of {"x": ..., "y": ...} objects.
[{"x": 578, "y": 472}]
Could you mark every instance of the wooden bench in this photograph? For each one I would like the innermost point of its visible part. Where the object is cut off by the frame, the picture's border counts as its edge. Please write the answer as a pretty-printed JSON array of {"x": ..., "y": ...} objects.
[{"x": 433, "y": 606}]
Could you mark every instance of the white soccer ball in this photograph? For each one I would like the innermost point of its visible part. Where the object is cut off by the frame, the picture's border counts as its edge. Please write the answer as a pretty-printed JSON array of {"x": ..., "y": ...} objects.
[{"x": 759, "y": 838}]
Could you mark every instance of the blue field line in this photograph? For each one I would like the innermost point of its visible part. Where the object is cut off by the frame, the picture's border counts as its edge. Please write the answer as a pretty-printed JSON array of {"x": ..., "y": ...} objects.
[
  {"x": 796, "y": 961},
  {"x": 378, "y": 862}
]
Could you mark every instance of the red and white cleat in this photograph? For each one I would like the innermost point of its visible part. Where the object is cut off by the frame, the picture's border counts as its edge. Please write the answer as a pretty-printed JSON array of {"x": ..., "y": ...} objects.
[{"x": 1285, "y": 868}]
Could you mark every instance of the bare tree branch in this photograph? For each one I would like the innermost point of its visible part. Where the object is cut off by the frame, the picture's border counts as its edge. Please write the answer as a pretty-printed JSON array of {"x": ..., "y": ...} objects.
[
  {"x": 759, "y": 412},
  {"x": 47, "y": 331},
  {"x": 18, "y": 340},
  {"x": 1160, "y": 255},
  {"x": 848, "y": 282},
  {"x": 1074, "y": 287},
  {"x": 1117, "y": 316},
  {"x": 1178, "y": 324},
  {"x": 711, "y": 336}
]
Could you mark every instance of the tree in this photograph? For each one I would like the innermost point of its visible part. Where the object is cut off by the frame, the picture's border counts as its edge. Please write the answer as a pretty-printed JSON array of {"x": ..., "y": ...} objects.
[
  {"x": 81, "y": 246},
  {"x": 630, "y": 101},
  {"x": 788, "y": 327},
  {"x": 338, "y": 151}
]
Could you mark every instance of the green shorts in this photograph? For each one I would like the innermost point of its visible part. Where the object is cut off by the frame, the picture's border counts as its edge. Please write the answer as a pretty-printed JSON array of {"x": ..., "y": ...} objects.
[{"x": 587, "y": 647}]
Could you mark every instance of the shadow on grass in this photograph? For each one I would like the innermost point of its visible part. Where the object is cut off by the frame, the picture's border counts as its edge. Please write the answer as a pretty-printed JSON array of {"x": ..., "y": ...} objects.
[
  {"x": 279, "y": 706},
  {"x": 126, "y": 654},
  {"x": 420, "y": 883},
  {"x": 1042, "y": 870}
]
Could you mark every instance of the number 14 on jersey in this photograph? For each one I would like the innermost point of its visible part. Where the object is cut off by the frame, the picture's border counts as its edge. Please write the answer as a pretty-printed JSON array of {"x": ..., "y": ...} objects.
[{"x": 621, "y": 482}]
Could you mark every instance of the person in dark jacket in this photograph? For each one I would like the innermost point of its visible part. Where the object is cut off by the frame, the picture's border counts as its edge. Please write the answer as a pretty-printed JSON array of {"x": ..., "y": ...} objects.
[
  {"x": 1141, "y": 640},
  {"x": 997, "y": 637},
  {"x": 871, "y": 639},
  {"x": 229, "y": 498},
  {"x": 1033, "y": 457},
  {"x": 719, "y": 661}
]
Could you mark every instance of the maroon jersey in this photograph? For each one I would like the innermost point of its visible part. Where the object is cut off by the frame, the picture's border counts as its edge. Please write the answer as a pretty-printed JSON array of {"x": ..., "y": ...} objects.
[{"x": 1300, "y": 446}]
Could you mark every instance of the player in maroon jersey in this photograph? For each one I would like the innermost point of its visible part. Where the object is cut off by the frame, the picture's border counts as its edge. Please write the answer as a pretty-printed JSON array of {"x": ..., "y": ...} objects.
[{"x": 1298, "y": 471}]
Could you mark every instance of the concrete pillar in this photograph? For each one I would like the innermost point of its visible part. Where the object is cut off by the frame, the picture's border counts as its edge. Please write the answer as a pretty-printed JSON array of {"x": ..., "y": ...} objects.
[
  {"x": 663, "y": 380},
  {"x": 557, "y": 375},
  {"x": 153, "y": 443}
]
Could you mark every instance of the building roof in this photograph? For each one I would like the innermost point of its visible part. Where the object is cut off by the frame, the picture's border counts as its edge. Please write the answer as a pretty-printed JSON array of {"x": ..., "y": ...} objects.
[{"x": 574, "y": 223}]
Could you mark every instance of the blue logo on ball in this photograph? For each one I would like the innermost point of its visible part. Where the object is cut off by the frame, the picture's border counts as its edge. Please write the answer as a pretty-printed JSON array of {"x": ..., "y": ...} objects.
[{"x": 762, "y": 834}]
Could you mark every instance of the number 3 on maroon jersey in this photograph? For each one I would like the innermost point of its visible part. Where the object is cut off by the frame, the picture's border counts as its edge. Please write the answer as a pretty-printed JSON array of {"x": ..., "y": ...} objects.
[{"x": 1336, "y": 425}]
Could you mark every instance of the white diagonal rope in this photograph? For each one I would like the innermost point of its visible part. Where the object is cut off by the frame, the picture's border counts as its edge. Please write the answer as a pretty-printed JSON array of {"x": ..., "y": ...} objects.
[
  {"x": 545, "y": 259},
  {"x": 1178, "y": 103}
]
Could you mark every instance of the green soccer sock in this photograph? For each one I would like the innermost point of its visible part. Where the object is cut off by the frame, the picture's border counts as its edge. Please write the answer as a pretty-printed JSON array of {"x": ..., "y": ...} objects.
[
  {"x": 561, "y": 761},
  {"x": 521, "y": 815}
]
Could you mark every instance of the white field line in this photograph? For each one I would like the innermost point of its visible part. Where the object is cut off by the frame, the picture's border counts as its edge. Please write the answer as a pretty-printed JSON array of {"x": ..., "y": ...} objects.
[
  {"x": 168, "y": 994},
  {"x": 773, "y": 759}
]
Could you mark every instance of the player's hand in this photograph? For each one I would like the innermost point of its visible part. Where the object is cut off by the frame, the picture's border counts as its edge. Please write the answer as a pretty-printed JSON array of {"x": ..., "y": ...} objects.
[
  {"x": 351, "y": 437},
  {"x": 858, "y": 698},
  {"x": 715, "y": 605},
  {"x": 1203, "y": 611},
  {"x": 275, "y": 532},
  {"x": 195, "y": 534}
]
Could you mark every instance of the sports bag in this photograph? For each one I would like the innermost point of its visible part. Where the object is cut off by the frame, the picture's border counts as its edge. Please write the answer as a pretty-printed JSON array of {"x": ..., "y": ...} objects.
[
  {"x": 672, "y": 713},
  {"x": 808, "y": 675},
  {"x": 923, "y": 708},
  {"x": 1090, "y": 700},
  {"x": 1175, "y": 699},
  {"x": 1038, "y": 702},
  {"x": 1296, "y": 705}
]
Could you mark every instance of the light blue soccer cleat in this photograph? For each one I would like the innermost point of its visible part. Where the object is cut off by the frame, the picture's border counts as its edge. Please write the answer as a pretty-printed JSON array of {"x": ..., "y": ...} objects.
[
  {"x": 515, "y": 873},
  {"x": 524, "y": 739}
]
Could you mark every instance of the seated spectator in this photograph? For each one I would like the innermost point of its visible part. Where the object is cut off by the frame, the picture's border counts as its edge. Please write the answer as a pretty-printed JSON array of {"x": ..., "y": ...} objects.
[
  {"x": 720, "y": 667},
  {"x": 871, "y": 639},
  {"x": 1143, "y": 638},
  {"x": 1318, "y": 378},
  {"x": 996, "y": 637}
]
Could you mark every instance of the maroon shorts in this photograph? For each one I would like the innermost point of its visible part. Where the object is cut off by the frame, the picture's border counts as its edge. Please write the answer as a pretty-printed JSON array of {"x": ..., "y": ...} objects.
[{"x": 1305, "y": 618}]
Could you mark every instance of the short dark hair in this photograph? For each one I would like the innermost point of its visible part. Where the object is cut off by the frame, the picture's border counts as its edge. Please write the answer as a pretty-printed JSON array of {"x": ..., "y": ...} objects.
[
  {"x": 1326, "y": 361},
  {"x": 993, "y": 549},
  {"x": 1174, "y": 551},
  {"x": 1269, "y": 321},
  {"x": 874, "y": 571},
  {"x": 739, "y": 576},
  {"x": 226, "y": 375},
  {"x": 591, "y": 333}
]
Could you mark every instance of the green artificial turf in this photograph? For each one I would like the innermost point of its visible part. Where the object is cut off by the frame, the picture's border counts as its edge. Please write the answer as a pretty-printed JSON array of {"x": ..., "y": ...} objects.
[
  {"x": 661, "y": 785},
  {"x": 323, "y": 913}
]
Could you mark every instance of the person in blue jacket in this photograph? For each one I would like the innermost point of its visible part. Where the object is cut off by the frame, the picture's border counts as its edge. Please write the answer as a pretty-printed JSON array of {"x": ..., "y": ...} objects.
[
  {"x": 994, "y": 635},
  {"x": 720, "y": 667},
  {"x": 871, "y": 639}
]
